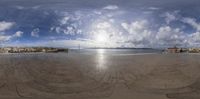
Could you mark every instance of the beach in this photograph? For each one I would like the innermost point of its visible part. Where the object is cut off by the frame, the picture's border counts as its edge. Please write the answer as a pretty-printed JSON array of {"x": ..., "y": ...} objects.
[{"x": 99, "y": 76}]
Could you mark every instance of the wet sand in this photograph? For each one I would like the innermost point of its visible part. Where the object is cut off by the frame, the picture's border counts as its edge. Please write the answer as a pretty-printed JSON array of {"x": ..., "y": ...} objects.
[{"x": 99, "y": 76}]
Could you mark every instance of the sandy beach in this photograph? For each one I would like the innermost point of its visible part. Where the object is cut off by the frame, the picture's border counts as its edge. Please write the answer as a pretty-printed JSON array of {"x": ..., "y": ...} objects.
[{"x": 99, "y": 76}]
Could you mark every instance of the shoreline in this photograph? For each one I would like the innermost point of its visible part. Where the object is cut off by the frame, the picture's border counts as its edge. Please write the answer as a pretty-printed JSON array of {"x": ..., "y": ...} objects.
[{"x": 107, "y": 54}]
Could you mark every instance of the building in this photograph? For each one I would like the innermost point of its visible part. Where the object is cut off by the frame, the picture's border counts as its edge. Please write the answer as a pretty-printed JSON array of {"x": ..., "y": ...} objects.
[
  {"x": 173, "y": 50},
  {"x": 194, "y": 50},
  {"x": 31, "y": 50}
]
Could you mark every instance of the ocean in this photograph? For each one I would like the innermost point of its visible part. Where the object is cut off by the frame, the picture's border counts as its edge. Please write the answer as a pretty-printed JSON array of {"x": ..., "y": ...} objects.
[{"x": 117, "y": 51}]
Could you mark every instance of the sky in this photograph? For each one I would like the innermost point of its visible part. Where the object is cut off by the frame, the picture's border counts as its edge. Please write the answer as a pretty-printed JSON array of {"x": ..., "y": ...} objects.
[{"x": 100, "y": 23}]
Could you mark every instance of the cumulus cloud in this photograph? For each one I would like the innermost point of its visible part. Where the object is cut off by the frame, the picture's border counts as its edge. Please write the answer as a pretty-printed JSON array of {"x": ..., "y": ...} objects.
[
  {"x": 5, "y": 25},
  {"x": 170, "y": 16},
  {"x": 103, "y": 25},
  {"x": 4, "y": 38},
  {"x": 18, "y": 34},
  {"x": 135, "y": 27},
  {"x": 167, "y": 36},
  {"x": 117, "y": 30},
  {"x": 192, "y": 22},
  {"x": 194, "y": 39},
  {"x": 69, "y": 24},
  {"x": 123, "y": 33},
  {"x": 139, "y": 34},
  {"x": 78, "y": 22},
  {"x": 111, "y": 7},
  {"x": 65, "y": 20},
  {"x": 35, "y": 32}
]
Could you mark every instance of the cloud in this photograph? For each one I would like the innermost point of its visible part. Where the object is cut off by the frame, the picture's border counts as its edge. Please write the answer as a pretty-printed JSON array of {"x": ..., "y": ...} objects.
[
  {"x": 5, "y": 25},
  {"x": 103, "y": 25},
  {"x": 170, "y": 16},
  {"x": 20, "y": 7},
  {"x": 36, "y": 7},
  {"x": 35, "y": 32},
  {"x": 18, "y": 34},
  {"x": 120, "y": 32},
  {"x": 27, "y": 7},
  {"x": 167, "y": 36},
  {"x": 79, "y": 22},
  {"x": 65, "y": 20},
  {"x": 111, "y": 7},
  {"x": 69, "y": 24},
  {"x": 139, "y": 34},
  {"x": 192, "y": 22},
  {"x": 135, "y": 27},
  {"x": 117, "y": 27},
  {"x": 4, "y": 38},
  {"x": 194, "y": 39},
  {"x": 153, "y": 8},
  {"x": 97, "y": 12}
]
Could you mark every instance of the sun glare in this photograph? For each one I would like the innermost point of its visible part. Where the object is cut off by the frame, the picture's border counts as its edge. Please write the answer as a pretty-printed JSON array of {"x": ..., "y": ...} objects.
[
  {"x": 101, "y": 32},
  {"x": 101, "y": 38}
]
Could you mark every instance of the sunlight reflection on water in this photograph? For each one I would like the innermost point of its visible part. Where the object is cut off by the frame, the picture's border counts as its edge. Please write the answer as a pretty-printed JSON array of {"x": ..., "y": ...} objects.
[{"x": 101, "y": 59}]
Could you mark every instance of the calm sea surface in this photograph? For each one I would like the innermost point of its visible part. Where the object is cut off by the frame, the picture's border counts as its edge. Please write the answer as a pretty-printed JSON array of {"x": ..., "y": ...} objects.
[{"x": 117, "y": 51}]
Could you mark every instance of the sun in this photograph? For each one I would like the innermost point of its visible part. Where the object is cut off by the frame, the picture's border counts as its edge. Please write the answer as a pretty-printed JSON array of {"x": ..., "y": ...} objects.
[
  {"x": 101, "y": 38},
  {"x": 101, "y": 32}
]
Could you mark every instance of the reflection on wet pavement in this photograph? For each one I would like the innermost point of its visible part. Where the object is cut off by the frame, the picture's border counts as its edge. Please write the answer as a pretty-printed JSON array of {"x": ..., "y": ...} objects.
[{"x": 99, "y": 76}]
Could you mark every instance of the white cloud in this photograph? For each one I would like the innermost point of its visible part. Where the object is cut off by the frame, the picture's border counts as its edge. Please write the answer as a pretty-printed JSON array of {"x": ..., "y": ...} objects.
[
  {"x": 35, "y": 32},
  {"x": 167, "y": 36},
  {"x": 19, "y": 33},
  {"x": 4, "y": 38},
  {"x": 36, "y": 7},
  {"x": 97, "y": 12},
  {"x": 193, "y": 39},
  {"x": 141, "y": 35},
  {"x": 126, "y": 33},
  {"x": 138, "y": 35},
  {"x": 65, "y": 20},
  {"x": 103, "y": 25},
  {"x": 5, "y": 25},
  {"x": 69, "y": 24},
  {"x": 70, "y": 30},
  {"x": 153, "y": 8},
  {"x": 167, "y": 32},
  {"x": 195, "y": 36},
  {"x": 169, "y": 17},
  {"x": 111, "y": 7},
  {"x": 192, "y": 22},
  {"x": 135, "y": 27},
  {"x": 56, "y": 29}
]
